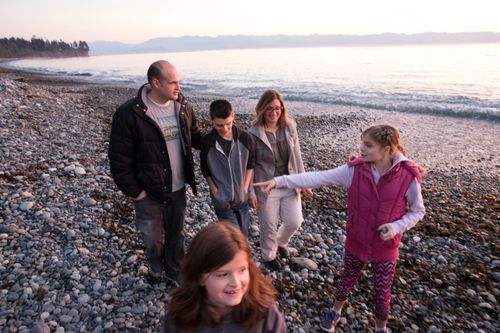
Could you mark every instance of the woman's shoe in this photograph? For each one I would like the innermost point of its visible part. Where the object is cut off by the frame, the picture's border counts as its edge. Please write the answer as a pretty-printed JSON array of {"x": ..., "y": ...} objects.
[
  {"x": 273, "y": 264},
  {"x": 283, "y": 251}
]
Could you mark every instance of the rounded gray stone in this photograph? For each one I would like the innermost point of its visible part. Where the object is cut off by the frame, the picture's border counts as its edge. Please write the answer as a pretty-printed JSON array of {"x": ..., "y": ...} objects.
[
  {"x": 83, "y": 299},
  {"x": 26, "y": 205},
  {"x": 40, "y": 328},
  {"x": 89, "y": 202},
  {"x": 80, "y": 171}
]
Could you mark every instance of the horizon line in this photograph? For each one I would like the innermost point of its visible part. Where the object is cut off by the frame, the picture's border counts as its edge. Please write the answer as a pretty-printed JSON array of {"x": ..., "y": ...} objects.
[{"x": 304, "y": 35}]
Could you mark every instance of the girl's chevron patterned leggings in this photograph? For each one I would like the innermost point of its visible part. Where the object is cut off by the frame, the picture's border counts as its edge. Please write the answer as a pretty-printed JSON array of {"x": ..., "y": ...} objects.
[{"x": 382, "y": 276}]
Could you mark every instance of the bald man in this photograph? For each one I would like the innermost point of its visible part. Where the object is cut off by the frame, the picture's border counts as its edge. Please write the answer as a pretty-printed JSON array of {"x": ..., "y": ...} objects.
[{"x": 151, "y": 160}]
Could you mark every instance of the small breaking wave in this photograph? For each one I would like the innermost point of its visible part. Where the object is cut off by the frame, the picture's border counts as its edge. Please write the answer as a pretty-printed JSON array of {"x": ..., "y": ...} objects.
[{"x": 463, "y": 107}]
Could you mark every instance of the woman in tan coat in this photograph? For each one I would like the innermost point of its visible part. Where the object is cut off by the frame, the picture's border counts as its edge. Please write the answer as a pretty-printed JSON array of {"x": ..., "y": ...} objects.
[{"x": 277, "y": 153}]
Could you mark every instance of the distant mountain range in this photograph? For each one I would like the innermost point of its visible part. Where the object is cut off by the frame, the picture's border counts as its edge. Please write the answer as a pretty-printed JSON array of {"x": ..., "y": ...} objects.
[{"x": 197, "y": 43}]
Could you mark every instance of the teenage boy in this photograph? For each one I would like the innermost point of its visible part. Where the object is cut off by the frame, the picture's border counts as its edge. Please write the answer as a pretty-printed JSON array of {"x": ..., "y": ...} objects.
[{"x": 227, "y": 161}]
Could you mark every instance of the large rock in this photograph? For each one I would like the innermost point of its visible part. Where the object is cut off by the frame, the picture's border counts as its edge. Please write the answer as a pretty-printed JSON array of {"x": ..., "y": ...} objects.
[{"x": 304, "y": 263}]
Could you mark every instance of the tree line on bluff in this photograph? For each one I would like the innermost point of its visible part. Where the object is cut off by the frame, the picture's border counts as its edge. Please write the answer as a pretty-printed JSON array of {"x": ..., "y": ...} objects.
[{"x": 38, "y": 47}]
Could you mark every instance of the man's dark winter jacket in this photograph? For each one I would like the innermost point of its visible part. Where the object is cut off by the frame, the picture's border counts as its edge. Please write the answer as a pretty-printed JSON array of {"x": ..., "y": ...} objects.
[{"x": 138, "y": 152}]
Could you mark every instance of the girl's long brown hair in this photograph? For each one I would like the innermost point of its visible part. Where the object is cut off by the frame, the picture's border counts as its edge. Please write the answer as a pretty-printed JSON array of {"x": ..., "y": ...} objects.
[
  {"x": 260, "y": 109},
  {"x": 214, "y": 246}
]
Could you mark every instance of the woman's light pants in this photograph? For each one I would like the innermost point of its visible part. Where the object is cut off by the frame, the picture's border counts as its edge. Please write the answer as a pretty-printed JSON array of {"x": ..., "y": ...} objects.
[{"x": 284, "y": 203}]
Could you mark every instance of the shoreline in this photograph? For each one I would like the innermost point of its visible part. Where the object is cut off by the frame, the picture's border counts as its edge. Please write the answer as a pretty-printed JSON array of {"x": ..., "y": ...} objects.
[
  {"x": 71, "y": 254},
  {"x": 248, "y": 103},
  {"x": 428, "y": 138}
]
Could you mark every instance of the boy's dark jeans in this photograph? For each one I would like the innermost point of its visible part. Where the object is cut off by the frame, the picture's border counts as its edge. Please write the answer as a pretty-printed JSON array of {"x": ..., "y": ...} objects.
[{"x": 238, "y": 215}]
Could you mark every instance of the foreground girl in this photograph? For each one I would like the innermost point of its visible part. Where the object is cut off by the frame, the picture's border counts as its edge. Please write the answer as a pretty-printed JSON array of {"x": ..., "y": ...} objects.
[
  {"x": 384, "y": 200},
  {"x": 222, "y": 290}
]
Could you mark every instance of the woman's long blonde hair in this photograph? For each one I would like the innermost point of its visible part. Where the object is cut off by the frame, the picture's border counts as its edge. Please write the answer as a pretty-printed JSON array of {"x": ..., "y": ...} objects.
[{"x": 260, "y": 109}]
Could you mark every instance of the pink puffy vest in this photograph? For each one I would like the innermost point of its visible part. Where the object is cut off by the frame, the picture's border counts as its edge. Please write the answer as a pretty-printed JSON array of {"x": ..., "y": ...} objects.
[{"x": 371, "y": 205}]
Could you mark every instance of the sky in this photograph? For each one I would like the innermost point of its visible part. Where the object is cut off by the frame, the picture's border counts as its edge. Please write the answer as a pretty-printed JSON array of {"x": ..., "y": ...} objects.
[{"x": 132, "y": 21}]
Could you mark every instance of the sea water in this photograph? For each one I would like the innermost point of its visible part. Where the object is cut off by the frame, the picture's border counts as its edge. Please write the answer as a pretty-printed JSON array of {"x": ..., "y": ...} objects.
[{"x": 451, "y": 80}]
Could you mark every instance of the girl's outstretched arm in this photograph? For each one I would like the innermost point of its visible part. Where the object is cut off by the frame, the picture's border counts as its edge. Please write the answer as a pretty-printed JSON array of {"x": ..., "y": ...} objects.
[
  {"x": 266, "y": 186},
  {"x": 341, "y": 176}
]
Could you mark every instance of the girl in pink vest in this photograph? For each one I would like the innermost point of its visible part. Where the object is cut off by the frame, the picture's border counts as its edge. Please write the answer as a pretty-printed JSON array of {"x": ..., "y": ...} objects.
[{"x": 384, "y": 200}]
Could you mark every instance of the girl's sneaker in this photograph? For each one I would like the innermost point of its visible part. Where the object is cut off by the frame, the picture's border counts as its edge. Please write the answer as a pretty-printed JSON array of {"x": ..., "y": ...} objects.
[
  {"x": 384, "y": 330},
  {"x": 330, "y": 321}
]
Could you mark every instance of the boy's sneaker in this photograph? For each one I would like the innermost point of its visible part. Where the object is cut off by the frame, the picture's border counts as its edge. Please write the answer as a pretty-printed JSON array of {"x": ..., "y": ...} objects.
[
  {"x": 330, "y": 321},
  {"x": 384, "y": 330}
]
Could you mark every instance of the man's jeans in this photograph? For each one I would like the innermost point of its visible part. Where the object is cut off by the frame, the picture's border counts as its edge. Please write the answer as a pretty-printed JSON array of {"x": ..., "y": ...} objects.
[
  {"x": 161, "y": 224},
  {"x": 238, "y": 215}
]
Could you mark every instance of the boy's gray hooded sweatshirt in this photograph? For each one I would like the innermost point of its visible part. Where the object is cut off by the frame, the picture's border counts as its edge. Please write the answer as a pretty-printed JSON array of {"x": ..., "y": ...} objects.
[{"x": 228, "y": 172}]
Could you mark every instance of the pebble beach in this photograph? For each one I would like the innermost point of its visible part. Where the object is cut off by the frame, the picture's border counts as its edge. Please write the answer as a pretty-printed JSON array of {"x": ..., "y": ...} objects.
[{"x": 71, "y": 259}]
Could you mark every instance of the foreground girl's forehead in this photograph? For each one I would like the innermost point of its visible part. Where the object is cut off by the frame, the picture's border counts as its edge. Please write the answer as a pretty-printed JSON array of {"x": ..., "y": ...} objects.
[
  {"x": 240, "y": 259},
  {"x": 228, "y": 269}
]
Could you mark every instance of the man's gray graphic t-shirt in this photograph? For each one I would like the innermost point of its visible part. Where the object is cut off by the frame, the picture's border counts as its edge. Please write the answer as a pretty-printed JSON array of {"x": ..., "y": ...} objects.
[{"x": 165, "y": 115}]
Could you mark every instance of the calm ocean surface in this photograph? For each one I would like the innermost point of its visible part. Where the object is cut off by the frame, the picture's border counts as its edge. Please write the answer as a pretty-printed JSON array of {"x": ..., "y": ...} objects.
[{"x": 455, "y": 80}]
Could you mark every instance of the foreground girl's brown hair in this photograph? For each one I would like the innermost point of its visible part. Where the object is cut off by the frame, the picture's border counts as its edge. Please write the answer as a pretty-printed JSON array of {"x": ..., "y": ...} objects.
[{"x": 214, "y": 246}]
